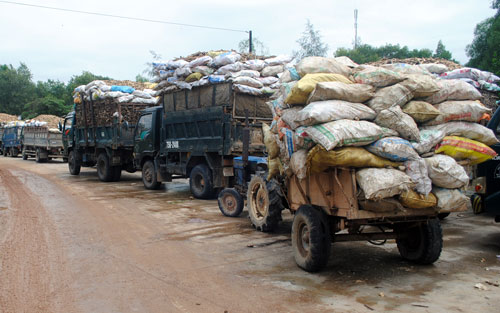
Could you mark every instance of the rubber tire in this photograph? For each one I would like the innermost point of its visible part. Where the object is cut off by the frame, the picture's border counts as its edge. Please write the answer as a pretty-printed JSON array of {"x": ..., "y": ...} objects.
[
  {"x": 268, "y": 220},
  {"x": 477, "y": 203},
  {"x": 442, "y": 216},
  {"x": 422, "y": 243},
  {"x": 104, "y": 170},
  {"x": 149, "y": 177},
  {"x": 117, "y": 173},
  {"x": 14, "y": 152},
  {"x": 314, "y": 256},
  {"x": 74, "y": 163},
  {"x": 230, "y": 202},
  {"x": 37, "y": 156},
  {"x": 25, "y": 156},
  {"x": 199, "y": 190}
]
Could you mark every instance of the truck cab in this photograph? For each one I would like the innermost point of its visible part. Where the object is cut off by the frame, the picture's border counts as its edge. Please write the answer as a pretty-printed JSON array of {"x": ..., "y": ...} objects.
[
  {"x": 12, "y": 140},
  {"x": 67, "y": 133},
  {"x": 487, "y": 182},
  {"x": 147, "y": 146}
]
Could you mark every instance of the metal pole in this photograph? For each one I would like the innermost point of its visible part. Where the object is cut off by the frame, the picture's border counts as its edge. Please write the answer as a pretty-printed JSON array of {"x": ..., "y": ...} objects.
[
  {"x": 250, "y": 42},
  {"x": 355, "y": 28}
]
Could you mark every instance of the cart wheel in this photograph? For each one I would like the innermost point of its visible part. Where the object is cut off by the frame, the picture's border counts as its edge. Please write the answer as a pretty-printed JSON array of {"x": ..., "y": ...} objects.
[
  {"x": 264, "y": 204},
  {"x": 200, "y": 182},
  {"x": 73, "y": 163},
  {"x": 422, "y": 242},
  {"x": 104, "y": 170},
  {"x": 230, "y": 202},
  {"x": 149, "y": 178},
  {"x": 25, "y": 156},
  {"x": 311, "y": 241},
  {"x": 442, "y": 216},
  {"x": 477, "y": 203}
]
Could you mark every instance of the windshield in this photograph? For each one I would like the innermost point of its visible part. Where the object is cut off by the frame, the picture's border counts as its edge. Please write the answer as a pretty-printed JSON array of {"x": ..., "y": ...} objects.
[{"x": 67, "y": 123}]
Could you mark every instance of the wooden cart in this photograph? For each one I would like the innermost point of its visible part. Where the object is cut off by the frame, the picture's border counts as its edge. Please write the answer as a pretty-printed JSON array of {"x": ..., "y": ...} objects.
[{"x": 327, "y": 209}]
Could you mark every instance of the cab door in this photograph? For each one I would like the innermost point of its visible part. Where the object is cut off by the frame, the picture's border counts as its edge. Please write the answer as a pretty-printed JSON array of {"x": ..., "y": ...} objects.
[{"x": 143, "y": 137}]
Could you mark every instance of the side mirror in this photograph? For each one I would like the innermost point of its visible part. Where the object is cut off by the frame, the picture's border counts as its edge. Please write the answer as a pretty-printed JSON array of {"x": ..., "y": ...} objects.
[{"x": 59, "y": 126}]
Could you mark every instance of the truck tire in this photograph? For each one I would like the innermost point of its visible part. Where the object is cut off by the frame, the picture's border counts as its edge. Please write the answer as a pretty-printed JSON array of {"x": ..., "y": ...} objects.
[
  {"x": 149, "y": 178},
  {"x": 230, "y": 202},
  {"x": 25, "y": 156},
  {"x": 37, "y": 156},
  {"x": 14, "y": 152},
  {"x": 200, "y": 182},
  {"x": 264, "y": 204},
  {"x": 422, "y": 242},
  {"x": 117, "y": 173},
  {"x": 74, "y": 164},
  {"x": 311, "y": 240},
  {"x": 104, "y": 170}
]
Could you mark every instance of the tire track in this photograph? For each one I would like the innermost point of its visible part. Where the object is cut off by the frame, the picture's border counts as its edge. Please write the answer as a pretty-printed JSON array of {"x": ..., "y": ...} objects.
[{"x": 32, "y": 265}]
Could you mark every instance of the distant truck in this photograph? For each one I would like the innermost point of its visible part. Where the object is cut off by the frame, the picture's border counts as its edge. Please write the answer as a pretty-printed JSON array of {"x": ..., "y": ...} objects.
[
  {"x": 100, "y": 133},
  {"x": 42, "y": 143},
  {"x": 11, "y": 140},
  {"x": 196, "y": 134}
]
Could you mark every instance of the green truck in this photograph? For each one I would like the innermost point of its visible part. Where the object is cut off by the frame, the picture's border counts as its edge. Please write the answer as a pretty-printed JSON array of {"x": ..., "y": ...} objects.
[
  {"x": 101, "y": 133},
  {"x": 196, "y": 134}
]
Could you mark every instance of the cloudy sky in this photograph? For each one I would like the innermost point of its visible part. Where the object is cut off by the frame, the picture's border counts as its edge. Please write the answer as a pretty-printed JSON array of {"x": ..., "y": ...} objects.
[{"x": 57, "y": 45}]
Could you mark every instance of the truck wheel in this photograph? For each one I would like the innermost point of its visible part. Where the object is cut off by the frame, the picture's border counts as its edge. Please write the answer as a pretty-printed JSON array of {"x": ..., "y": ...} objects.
[
  {"x": 117, "y": 173},
  {"x": 230, "y": 202},
  {"x": 37, "y": 156},
  {"x": 311, "y": 241},
  {"x": 149, "y": 178},
  {"x": 73, "y": 163},
  {"x": 264, "y": 204},
  {"x": 477, "y": 203},
  {"x": 422, "y": 242},
  {"x": 14, "y": 152},
  {"x": 200, "y": 182},
  {"x": 104, "y": 170},
  {"x": 25, "y": 156}
]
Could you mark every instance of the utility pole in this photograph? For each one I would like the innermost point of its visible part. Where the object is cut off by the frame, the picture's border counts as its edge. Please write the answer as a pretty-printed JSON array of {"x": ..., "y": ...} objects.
[
  {"x": 250, "y": 42},
  {"x": 355, "y": 28}
]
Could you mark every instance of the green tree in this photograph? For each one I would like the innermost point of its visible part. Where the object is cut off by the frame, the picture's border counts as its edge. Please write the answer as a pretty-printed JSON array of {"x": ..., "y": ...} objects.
[
  {"x": 365, "y": 53},
  {"x": 49, "y": 98},
  {"x": 310, "y": 43},
  {"x": 441, "y": 52},
  {"x": 141, "y": 79},
  {"x": 258, "y": 46},
  {"x": 16, "y": 88},
  {"x": 484, "y": 50}
]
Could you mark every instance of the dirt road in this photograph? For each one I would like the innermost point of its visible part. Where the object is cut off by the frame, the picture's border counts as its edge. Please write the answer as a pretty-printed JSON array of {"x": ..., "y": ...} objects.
[{"x": 74, "y": 244}]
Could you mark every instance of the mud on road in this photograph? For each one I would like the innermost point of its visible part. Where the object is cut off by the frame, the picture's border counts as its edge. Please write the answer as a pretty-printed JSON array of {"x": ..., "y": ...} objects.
[{"x": 74, "y": 244}]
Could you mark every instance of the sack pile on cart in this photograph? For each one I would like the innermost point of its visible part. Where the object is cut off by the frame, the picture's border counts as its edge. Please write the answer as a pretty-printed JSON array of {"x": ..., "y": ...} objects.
[
  {"x": 408, "y": 133},
  {"x": 117, "y": 91},
  {"x": 250, "y": 75}
]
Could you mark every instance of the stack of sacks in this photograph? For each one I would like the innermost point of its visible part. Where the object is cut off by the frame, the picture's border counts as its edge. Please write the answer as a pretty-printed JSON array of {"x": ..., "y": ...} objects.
[
  {"x": 34, "y": 123},
  {"x": 396, "y": 126},
  {"x": 123, "y": 92},
  {"x": 249, "y": 75},
  {"x": 479, "y": 79}
]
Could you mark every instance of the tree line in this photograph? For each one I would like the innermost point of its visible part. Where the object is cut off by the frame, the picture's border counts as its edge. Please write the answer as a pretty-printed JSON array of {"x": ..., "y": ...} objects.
[{"x": 20, "y": 96}]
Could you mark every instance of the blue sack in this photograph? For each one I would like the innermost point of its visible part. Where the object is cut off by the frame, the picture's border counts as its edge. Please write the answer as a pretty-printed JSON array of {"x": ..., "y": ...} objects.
[{"x": 125, "y": 89}]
